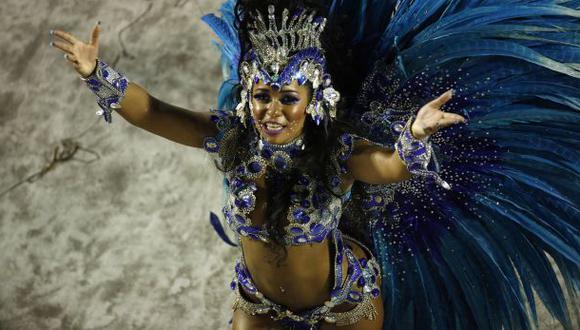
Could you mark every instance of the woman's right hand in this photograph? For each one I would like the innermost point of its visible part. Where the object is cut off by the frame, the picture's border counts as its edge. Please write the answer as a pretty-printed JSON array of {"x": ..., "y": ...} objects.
[{"x": 82, "y": 56}]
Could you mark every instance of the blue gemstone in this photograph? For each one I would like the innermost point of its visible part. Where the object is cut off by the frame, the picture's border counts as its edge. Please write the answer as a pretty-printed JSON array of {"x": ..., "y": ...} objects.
[
  {"x": 280, "y": 163},
  {"x": 247, "y": 199},
  {"x": 363, "y": 262},
  {"x": 237, "y": 183},
  {"x": 250, "y": 229},
  {"x": 301, "y": 216},
  {"x": 361, "y": 281},
  {"x": 375, "y": 292},
  {"x": 303, "y": 181},
  {"x": 305, "y": 203},
  {"x": 242, "y": 204},
  {"x": 316, "y": 228},
  {"x": 255, "y": 167},
  {"x": 296, "y": 230},
  {"x": 233, "y": 285},
  {"x": 240, "y": 219}
]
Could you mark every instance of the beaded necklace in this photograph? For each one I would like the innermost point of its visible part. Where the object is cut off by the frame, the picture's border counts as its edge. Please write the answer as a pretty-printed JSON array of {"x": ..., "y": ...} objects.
[{"x": 279, "y": 157}]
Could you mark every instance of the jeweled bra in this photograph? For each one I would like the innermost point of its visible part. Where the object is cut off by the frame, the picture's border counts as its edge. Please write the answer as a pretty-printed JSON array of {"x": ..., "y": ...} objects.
[{"x": 315, "y": 206}]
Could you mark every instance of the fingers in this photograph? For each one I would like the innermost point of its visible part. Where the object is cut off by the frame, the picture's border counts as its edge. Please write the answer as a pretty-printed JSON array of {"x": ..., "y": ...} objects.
[
  {"x": 441, "y": 100},
  {"x": 95, "y": 34},
  {"x": 67, "y": 48},
  {"x": 65, "y": 36},
  {"x": 450, "y": 119}
]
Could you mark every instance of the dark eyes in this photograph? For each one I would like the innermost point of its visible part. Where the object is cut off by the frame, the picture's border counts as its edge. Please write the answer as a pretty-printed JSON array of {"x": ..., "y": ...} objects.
[{"x": 263, "y": 97}]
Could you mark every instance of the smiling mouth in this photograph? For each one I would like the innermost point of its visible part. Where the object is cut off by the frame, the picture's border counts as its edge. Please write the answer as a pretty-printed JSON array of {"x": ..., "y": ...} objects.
[{"x": 271, "y": 128}]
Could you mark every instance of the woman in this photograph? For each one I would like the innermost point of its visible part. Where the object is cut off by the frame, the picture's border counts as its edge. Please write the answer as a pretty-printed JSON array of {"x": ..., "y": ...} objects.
[{"x": 290, "y": 164}]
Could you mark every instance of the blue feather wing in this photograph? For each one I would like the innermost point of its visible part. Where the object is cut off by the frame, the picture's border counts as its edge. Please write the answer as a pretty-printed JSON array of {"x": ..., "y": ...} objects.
[{"x": 476, "y": 256}]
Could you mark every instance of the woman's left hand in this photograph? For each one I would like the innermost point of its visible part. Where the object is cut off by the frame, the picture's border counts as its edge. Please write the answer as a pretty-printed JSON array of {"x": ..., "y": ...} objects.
[{"x": 431, "y": 118}]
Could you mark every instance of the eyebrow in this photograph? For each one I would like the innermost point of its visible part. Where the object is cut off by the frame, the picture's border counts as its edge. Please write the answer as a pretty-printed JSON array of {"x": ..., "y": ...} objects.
[{"x": 282, "y": 90}]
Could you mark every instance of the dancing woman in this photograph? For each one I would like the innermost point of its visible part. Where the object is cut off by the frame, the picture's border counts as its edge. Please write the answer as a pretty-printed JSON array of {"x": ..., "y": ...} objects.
[{"x": 322, "y": 124}]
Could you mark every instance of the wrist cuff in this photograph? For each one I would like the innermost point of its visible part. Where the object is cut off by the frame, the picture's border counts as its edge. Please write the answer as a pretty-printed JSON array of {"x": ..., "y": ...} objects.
[
  {"x": 416, "y": 154},
  {"x": 109, "y": 86}
]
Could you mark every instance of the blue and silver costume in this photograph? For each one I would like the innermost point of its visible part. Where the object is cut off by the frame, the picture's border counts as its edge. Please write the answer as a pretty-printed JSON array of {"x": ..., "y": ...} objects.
[
  {"x": 466, "y": 243},
  {"x": 313, "y": 216}
]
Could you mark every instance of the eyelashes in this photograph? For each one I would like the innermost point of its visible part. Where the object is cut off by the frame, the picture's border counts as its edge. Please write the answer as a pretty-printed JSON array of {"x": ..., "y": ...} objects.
[{"x": 265, "y": 98}]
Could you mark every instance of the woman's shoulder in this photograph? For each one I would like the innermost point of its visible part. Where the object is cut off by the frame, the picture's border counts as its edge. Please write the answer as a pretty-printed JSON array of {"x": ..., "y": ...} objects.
[{"x": 227, "y": 123}]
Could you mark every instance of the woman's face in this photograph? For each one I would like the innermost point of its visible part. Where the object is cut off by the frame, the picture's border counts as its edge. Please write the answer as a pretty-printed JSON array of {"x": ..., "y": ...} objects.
[{"x": 279, "y": 115}]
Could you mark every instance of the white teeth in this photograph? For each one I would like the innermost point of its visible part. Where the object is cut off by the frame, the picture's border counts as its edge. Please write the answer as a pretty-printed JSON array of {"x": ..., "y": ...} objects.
[{"x": 272, "y": 126}]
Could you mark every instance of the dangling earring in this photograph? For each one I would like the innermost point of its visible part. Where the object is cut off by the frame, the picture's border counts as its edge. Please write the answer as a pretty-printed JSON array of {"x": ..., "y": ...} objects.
[{"x": 241, "y": 107}]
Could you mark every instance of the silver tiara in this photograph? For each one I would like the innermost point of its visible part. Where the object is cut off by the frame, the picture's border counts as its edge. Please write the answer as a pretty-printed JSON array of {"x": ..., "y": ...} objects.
[
  {"x": 273, "y": 44},
  {"x": 269, "y": 60}
]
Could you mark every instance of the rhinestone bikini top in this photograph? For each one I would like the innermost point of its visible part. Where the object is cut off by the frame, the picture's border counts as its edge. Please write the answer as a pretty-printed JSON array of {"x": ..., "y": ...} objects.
[{"x": 314, "y": 210}]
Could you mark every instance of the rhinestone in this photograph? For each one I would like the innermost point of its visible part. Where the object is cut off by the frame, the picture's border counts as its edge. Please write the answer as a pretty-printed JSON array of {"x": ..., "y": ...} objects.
[{"x": 330, "y": 319}]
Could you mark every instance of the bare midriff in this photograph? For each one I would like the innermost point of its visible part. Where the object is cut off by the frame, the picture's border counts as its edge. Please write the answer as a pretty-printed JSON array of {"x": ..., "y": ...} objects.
[{"x": 301, "y": 280}]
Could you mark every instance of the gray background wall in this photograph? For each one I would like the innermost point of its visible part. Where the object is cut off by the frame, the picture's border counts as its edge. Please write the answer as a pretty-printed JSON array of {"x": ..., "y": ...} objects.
[{"x": 122, "y": 242}]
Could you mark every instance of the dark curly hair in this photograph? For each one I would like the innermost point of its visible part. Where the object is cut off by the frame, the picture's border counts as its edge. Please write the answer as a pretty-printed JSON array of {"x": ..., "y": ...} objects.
[{"x": 321, "y": 141}]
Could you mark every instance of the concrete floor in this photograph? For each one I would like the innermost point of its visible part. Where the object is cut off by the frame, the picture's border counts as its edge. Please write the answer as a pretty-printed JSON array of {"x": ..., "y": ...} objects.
[{"x": 122, "y": 242}]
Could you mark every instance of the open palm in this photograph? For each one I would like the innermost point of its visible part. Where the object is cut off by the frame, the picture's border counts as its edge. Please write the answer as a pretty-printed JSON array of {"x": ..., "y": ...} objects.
[
  {"x": 431, "y": 118},
  {"x": 82, "y": 56}
]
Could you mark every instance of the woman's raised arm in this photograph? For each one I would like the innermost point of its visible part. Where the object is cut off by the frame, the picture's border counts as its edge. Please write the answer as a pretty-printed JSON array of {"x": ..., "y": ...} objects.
[
  {"x": 377, "y": 165},
  {"x": 173, "y": 123},
  {"x": 136, "y": 105}
]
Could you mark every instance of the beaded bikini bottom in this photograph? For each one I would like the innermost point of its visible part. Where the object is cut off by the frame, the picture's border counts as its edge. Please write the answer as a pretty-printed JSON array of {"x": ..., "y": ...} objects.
[{"x": 362, "y": 273}]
